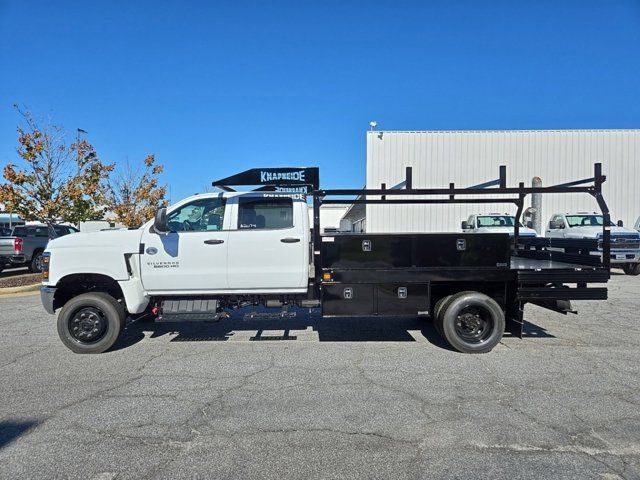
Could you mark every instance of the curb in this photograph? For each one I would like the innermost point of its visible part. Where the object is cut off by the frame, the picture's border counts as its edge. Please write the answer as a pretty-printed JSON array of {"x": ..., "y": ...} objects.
[{"x": 24, "y": 288}]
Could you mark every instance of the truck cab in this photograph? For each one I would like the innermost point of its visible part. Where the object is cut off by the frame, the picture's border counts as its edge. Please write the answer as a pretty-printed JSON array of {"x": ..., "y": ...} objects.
[
  {"x": 625, "y": 242},
  {"x": 210, "y": 246},
  {"x": 495, "y": 223}
]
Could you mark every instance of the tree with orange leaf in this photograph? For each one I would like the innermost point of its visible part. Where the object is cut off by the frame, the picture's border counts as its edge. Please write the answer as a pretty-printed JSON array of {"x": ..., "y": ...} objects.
[
  {"x": 134, "y": 194},
  {"x": 55, "y": 180}
]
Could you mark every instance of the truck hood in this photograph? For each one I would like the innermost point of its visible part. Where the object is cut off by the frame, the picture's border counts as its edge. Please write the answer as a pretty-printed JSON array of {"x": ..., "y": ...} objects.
[
  {"x": 127, "y": 241},
  {"x": 593, "y": 232}
]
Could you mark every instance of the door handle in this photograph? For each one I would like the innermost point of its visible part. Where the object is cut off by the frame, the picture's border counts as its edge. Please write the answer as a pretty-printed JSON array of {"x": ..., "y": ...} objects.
[
  {"x": 214, "y": 241},
  {"x": 289, "y": 240}
]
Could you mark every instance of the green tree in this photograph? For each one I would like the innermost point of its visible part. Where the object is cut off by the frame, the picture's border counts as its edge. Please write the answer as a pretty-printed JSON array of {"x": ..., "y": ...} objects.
[{"x": 55, "y": 180}]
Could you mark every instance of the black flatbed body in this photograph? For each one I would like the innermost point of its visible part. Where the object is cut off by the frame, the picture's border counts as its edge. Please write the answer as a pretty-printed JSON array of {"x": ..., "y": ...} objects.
[
  {"x": 396, "y": 274},
  {"x": 408, "y": 273},
  {"x": 434, "y": 253}
]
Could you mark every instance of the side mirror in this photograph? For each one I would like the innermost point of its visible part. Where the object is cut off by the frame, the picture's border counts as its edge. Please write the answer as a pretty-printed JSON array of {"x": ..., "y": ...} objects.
[
  {"x": 552, "y": 225},
  {"x": 529, "y": 224},
  {"x": 160, "y": 222},
  {"x": 465, "y": 225},
  {"x": 620, "y": 223}
]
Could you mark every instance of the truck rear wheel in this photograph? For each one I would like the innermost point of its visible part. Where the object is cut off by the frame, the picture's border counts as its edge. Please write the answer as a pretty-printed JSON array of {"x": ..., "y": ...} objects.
[
  {"x": 36, "y": 264},
  {"x": 472, "y": 322},
  {"x": 91, "y": 322},
  {"x": 437, "y": 313},
  {"x": 631, "y": 268}
]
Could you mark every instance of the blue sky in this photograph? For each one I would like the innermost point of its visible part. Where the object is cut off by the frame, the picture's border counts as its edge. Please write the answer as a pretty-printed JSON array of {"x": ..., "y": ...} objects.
[{"x": 213, "y": 88}]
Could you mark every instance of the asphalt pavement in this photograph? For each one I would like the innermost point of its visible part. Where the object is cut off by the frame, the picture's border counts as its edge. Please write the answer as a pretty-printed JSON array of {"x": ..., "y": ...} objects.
[{"x": 302, "y": 397}]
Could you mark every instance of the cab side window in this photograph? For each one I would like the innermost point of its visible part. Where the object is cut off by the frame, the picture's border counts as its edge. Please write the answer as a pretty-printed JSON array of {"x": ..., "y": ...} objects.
[
  {"x": 556, "y": 223},
  {"x": 262, "y": 213},
  {"x": 39, "y": 232},
  {"x": 62, "y": 230},
  {"x": 206, "y": 214}
]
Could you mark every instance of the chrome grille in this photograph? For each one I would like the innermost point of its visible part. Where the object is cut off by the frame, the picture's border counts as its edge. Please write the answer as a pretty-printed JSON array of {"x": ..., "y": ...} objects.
[{"x": 623, "y": 242}]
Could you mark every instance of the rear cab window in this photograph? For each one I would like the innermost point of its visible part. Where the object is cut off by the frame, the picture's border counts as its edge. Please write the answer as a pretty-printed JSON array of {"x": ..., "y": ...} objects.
[{"x": 258, "y": 213}]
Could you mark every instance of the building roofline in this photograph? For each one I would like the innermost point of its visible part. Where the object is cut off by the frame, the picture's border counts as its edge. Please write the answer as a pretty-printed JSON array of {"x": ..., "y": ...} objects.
[{"x": 571, "y": 130}]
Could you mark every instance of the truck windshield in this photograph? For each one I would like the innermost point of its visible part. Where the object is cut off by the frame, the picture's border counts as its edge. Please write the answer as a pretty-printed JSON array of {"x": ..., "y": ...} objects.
[
  {"x": 586, "y": 221},
  {"x": 489, "y": 221}
]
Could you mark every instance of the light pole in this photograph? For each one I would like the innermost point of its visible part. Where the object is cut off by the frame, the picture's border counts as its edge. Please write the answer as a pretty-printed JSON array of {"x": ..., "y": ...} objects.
[{"x": 79, "y": 131}]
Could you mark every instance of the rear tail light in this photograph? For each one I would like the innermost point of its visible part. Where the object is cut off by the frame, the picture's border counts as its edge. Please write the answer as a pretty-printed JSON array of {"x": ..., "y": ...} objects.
[{"x": 17, "y": 244}]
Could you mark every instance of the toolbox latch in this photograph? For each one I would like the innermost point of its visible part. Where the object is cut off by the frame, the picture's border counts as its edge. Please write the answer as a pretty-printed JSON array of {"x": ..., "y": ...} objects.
[
  {"x": 347, "y": 293},
  {"x": 366, "y": 245},
  {"x": 402, "y": 292},
  {"x": 461, "y": 244}
]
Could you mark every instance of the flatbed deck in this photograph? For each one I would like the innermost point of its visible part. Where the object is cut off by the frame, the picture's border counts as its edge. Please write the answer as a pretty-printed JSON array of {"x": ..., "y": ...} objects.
[{"x": 521, "y": 263}]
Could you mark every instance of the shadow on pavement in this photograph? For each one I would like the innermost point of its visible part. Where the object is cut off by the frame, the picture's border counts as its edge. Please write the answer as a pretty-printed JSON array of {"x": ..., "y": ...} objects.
[
  {"x": 14, "y": 272},
  {"x": 334, "y": 329},
  {"x": 10, "y": 430}
]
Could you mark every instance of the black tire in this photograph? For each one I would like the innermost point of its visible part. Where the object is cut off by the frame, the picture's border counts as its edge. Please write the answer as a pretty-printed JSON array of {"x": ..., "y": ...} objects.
[
  {"x": 472, "y": 322},
  {"x": 437, "y": 313},
  {"x": 35, "y": 265},
  {"x": 91, "y": 322},
  {"x": 632, "y": 269}
]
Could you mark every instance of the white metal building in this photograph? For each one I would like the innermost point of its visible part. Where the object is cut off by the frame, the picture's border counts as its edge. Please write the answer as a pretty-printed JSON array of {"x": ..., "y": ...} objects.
[
  {"x": 330, "y": 216},
  {"x": 472, "y": 157}
]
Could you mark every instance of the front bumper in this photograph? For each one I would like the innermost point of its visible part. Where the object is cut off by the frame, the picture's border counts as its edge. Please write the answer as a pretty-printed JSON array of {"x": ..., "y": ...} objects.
[
  {"x": 47, "y": 295},
  {"x": 621, "y": 256}
]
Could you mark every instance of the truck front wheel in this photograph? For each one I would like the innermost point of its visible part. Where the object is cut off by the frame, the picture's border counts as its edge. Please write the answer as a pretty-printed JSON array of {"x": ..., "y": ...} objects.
[
  {"x": 631, "y": 268},
  {"x": 91, "y": 322},
  {"x": 472, "y": 322}
]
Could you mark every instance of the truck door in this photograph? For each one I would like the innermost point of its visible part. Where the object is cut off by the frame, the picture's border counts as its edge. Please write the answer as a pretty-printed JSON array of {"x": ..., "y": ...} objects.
[
  {"x": 556, "y": 227},
  {"x": 193, "y": 255},
  {"x": 268, "y": 248}
]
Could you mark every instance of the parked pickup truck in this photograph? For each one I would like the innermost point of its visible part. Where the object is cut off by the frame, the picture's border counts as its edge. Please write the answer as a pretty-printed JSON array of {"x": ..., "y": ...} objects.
[
  {"x": 625, "y": 242},
  {"x": 26, "y": 244},
  {"x": 496, "y": 223},
  {"x": 212, "y": 253}
]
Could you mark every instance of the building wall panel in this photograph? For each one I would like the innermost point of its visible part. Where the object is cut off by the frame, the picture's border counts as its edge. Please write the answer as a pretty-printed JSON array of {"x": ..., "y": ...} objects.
[{"x": 473, "y": 157}]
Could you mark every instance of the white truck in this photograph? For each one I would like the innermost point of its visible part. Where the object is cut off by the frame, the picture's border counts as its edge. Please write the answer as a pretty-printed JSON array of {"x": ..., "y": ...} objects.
[
  {"x": 496, "y": 223},
  {"x": 212, "y": 253},
  {"x": 625, "y": 242}
]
